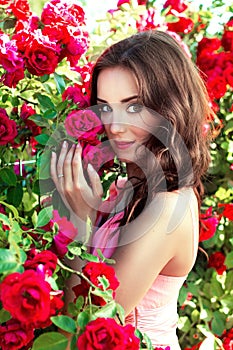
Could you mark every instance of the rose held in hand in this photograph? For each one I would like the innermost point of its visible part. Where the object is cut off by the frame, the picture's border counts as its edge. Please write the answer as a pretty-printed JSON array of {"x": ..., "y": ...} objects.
[{"x": 26, "y": 296}]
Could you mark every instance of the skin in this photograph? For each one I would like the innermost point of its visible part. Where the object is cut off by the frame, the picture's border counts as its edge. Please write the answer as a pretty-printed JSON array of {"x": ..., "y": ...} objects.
[{"x": 146, "y": 248}]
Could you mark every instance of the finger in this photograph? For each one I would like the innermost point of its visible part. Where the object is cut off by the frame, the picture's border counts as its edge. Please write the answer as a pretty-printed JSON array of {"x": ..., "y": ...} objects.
[
  {"x": 53, "y": 168},
  {"x": 78, "y": 175},
  {"x": 95, "y": 181},
  {"x": 61, "y": 159},
  {"x": 67, "y": 167}
]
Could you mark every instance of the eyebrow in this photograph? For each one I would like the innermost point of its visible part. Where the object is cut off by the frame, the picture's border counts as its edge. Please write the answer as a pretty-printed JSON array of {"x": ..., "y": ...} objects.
[{"x": 127, "y": 99}]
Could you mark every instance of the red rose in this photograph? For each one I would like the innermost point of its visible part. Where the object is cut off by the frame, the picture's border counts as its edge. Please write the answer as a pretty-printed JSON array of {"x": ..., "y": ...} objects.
[
  {"x": 208, "y": 44},
  {"x": 228, "y": 340},
  {"x": 216, "y": 260},
  {"x": 183, "y": 25},
  {"x": 62, "y": 12},
  {"x": 209, "y": 225},
  {"x": 216, "y": 85},
  {"x": 26, "y": 296},
  {"x": 194, "y": 347},
  {"x": 227, "y": 38},
  {"x": 44, "y": 260},
  {"x": 228, "y": 210},
  {"x": 105, "y": 333},
  {"x": 20, "y": 9},
  {"x": 94, "y": 270},
  {"x": 7, "y": 128},
  {"x": 177, "y": 5},
  {"x": 12, "y": 79},
  {"x": 83, "y": 125},
  {"x": 76, "y": 95},
  {"x": 41, "y": 55},
  {"x": 14, "y": 335}
]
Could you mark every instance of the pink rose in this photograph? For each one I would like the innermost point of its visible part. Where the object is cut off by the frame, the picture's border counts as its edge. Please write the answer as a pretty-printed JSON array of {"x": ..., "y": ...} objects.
[
  {"x": 66, "y": 233},
  {"x": 9, "y": 56},
  {"x": 14, "y": 335},
  {"x": 83, "y": 125},
  {"x": 100, "y": 156},
  {"x": 8, "y": 129},
  {"x": 209, "y": 225},
  {"x": 26, "y": 296}
]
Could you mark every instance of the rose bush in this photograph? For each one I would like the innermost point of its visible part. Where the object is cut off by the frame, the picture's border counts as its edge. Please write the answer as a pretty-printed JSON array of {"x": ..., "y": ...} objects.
[{"x": 45, "y": 66}]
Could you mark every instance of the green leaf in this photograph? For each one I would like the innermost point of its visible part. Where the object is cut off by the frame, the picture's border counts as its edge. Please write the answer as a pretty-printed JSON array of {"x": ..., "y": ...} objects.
[
  {"x": 83, "y": 319},
  {"x": 64, "y": 322},
  {"x": 42, "y": 138},
  {"x": 45, "y": 102},
  {"x": 39, "y": 120},
  {"x": 216, "y": 288},
  {"x": 44, "y": 78},
  {"x": 50, "y": 114},
  {"x": 108, "y": 310},
  {"x": 8, "y": 176},
  {"x": 229, "y": 260},
  {"x": 43, "y": 163},
  {"x": 45, "y": 215},
  {"x": 8, "y": 261},
  {"x": 50, "y": 341},
  {"x": 229, "y": 281},
  {"x": 218, "y": 323},
  {"x": 4, "y": 315},
  {"x": 12, "y": 208},
  {"x": 104, "y": 281},
  {"x": 89, "y": 257},
  {"x": 184, "y": 324},
  {"x": 73, "y": 343},
  {"x": 60, "y": 83},
  {"x": 15, "y": 195}
]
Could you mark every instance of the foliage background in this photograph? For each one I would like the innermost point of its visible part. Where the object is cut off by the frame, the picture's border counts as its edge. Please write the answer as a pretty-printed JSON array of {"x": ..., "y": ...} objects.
[{"x": 206, "y": 299}]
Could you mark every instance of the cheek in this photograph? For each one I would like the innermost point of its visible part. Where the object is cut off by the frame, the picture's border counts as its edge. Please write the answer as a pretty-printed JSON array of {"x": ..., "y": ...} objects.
[{"x": 140, "y": 133}]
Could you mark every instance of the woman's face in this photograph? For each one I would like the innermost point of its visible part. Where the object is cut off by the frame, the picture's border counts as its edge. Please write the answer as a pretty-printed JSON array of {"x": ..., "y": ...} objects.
[{"x": 127, "y": 122}]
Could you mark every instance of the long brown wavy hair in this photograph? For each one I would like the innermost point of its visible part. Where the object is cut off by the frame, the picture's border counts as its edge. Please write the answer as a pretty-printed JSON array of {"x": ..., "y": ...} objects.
[{"x": 169, "y": 84}]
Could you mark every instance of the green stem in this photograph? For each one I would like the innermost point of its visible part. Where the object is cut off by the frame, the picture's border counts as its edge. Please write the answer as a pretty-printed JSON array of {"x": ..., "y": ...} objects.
[{"x": 78, "y": 273}]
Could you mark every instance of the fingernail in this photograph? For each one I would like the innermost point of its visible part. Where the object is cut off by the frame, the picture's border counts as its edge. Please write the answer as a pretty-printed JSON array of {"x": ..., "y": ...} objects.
[
  {"x": 90, "y": 167},
  {"x": 78, "y": 145},
  {"x": 52, "y": 154},
  {"x": 64, "y": 144}
]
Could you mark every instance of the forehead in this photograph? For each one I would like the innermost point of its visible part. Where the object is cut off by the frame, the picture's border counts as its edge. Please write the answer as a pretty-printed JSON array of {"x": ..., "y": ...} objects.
[{"x": 115, "y": 84}]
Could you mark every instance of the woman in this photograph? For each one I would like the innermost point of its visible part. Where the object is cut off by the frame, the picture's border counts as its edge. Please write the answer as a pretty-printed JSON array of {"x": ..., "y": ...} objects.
[{"x": 153, "y": 104}]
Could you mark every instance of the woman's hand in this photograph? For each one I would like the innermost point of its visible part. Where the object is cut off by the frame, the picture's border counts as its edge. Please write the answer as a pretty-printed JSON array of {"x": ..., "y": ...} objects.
[{"x": 81, "y": 199}]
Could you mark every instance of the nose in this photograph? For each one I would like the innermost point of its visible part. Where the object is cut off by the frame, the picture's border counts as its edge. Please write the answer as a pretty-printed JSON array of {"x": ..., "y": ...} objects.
[{"x": 117, "y": 124}]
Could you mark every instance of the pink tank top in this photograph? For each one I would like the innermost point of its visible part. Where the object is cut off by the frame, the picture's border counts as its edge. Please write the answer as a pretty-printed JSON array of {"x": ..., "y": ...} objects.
[{"x": 156, "y": 314}]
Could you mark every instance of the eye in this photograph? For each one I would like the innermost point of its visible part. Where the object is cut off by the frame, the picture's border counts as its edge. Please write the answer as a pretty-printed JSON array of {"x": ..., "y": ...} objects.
[
  {"x": 105, "y": 108},
  {"x": 135, "y": 108}
]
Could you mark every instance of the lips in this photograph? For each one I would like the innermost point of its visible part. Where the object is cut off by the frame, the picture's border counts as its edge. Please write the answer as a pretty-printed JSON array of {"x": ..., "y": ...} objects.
[{"x": 123, "y": 144}]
